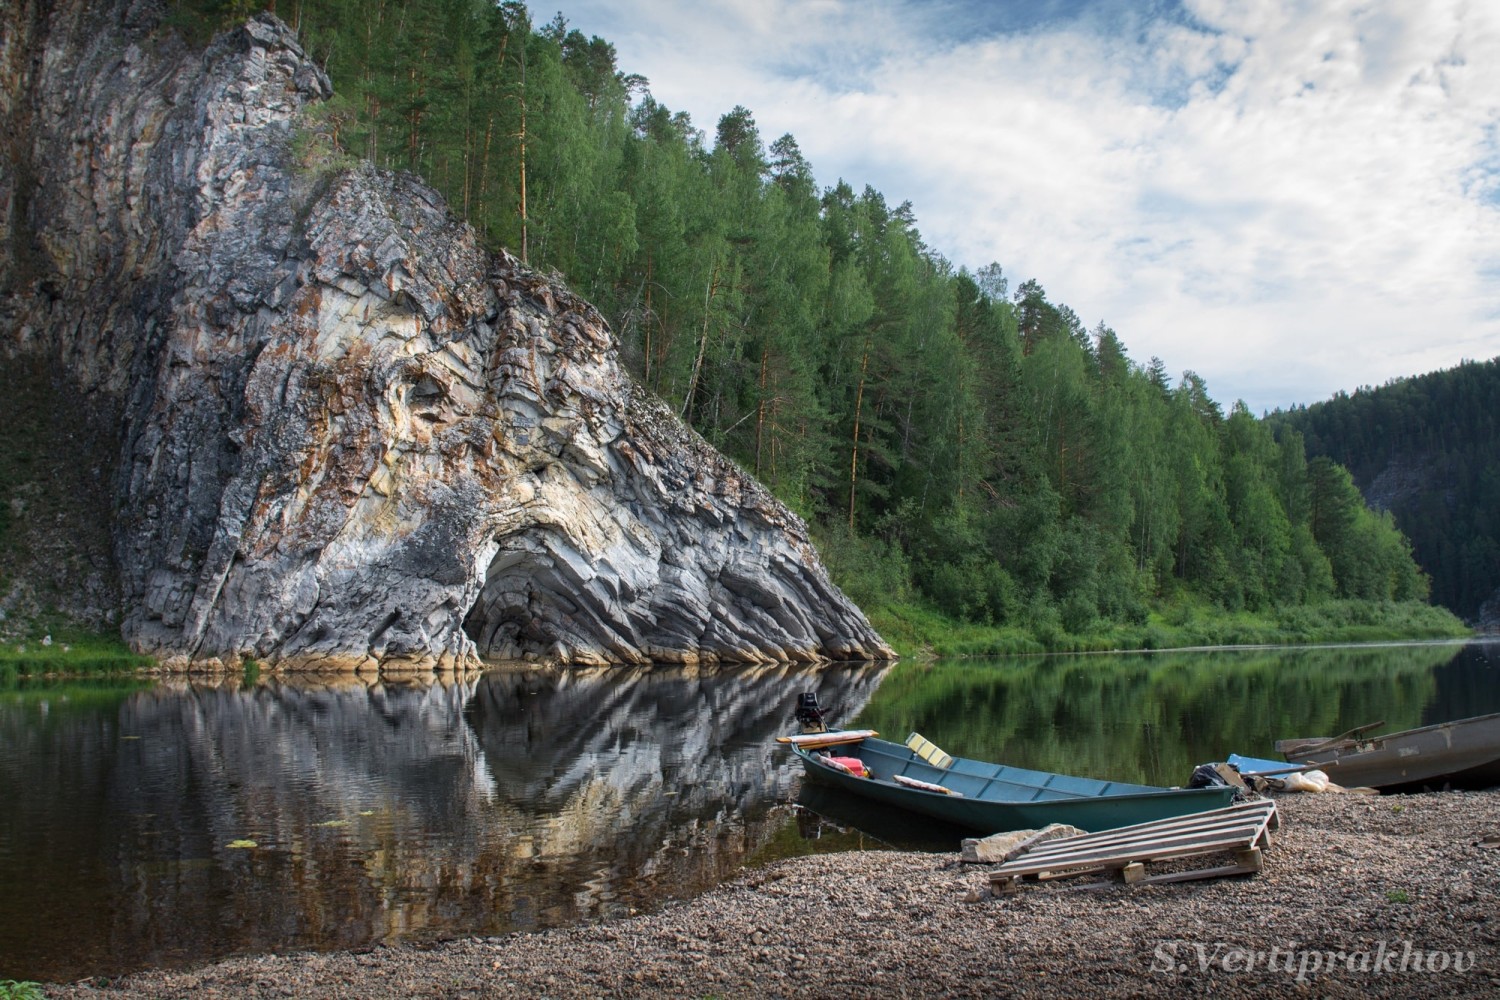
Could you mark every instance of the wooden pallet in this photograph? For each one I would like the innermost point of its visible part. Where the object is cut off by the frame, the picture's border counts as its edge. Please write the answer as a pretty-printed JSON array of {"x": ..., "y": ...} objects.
[{"x": 1240, "y": 830}]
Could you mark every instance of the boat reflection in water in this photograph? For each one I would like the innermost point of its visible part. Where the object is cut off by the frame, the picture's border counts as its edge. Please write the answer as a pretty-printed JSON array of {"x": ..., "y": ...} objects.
[{"x": 519, "y": 799}]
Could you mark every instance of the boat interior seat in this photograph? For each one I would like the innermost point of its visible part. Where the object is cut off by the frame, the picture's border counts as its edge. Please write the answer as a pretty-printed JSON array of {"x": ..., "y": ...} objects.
[
  {"x": 981, "y": 779},
  {"x": 929, "y": 751}
]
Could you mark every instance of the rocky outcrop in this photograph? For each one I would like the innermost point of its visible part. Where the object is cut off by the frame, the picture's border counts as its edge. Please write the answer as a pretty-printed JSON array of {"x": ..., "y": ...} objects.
[
  {"x": 349, "y": 434},
  {"x": 1487, "y": 620},
  {"x": 1404, "y": 479}
]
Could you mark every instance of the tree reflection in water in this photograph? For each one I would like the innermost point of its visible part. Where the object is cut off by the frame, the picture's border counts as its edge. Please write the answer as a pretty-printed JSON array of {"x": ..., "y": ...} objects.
[
  {"x": 527, "y": 798},
  {"x": 1153, "y": 717}
]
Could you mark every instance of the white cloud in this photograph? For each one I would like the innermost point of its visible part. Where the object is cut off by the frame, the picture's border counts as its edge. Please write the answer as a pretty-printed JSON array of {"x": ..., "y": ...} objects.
[{"x": 1288, "y": 199}]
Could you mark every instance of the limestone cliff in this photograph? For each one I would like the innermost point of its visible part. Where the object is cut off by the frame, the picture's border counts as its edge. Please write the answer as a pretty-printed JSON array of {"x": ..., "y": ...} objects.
[{"x": 347, "y": 433}]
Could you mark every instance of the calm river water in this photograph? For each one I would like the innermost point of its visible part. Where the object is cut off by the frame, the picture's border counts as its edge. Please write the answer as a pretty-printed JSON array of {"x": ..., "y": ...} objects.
[{"x": 168, "y": 824}]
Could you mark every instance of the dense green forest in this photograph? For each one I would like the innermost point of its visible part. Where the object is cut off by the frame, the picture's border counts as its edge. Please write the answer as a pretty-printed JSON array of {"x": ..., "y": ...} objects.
[
  {"x": 1428, "y": 450},
  {"x": 959, "y": 443}
]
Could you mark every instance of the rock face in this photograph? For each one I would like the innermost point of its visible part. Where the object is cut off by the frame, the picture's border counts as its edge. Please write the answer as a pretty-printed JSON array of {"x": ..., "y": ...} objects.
[{"x": 347, "y": 432}]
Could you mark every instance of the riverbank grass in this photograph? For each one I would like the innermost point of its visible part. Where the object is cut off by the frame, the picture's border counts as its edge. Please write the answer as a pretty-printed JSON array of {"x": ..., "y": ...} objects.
[
  {"x": 67, "y": 651},
  {"x": 917, "y": 631}
]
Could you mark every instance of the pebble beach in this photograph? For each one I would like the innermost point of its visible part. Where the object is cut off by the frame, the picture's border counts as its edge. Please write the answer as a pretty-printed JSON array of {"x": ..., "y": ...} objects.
[{"x": 1360, "y": 896}]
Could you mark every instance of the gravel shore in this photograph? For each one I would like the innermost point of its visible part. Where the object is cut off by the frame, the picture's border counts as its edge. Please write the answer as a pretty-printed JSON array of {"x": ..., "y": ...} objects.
[{"x": 1361, "y": 896}]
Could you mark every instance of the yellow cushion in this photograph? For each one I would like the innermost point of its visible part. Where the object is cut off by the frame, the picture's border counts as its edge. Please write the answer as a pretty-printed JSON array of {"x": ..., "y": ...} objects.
[{"x": 928, "y": 750}]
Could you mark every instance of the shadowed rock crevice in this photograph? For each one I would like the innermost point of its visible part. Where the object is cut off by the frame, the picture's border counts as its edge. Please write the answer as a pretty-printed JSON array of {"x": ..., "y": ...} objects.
[{"x": 350, "y": 433}]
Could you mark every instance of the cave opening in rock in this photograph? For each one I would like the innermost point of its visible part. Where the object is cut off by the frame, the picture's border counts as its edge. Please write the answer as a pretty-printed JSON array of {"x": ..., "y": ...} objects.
[{"x": 501, "y": 622}]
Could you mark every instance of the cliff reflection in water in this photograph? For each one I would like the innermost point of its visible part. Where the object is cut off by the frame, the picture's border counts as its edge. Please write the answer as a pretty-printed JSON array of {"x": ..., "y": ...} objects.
[
  {"x": 517, "y": 800},
  {"x": 669, "y": 787}
]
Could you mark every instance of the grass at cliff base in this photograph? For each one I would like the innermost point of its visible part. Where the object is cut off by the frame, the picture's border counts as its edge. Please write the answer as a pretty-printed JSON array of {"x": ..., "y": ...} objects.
[
  {"x": 71, "y": 652},
  {"x": 917, "y": 631}
]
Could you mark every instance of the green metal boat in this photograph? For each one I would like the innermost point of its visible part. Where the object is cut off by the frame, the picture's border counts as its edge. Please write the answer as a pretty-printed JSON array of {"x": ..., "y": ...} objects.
[{"x": 994, "y": 798}]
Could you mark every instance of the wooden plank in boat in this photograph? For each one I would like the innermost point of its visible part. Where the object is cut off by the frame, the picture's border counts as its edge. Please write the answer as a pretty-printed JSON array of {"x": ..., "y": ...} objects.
[{"x": 818, "y": 741}]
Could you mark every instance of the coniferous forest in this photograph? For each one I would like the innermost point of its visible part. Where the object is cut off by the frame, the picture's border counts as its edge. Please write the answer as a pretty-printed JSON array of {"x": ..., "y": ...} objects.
[
  {"x": 962, "y": 445},
  {"x": 1428, "y": 450}
]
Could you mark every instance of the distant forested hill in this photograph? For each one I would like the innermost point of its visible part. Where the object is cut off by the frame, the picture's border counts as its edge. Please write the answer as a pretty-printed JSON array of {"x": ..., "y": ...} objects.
[
  {"x": 959, "y": 441},
  {"x": 1428, "y": 450}
]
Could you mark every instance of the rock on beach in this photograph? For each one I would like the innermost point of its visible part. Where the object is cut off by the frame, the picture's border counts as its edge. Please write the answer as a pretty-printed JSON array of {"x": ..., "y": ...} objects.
[{"x": 1361, "y": 896}]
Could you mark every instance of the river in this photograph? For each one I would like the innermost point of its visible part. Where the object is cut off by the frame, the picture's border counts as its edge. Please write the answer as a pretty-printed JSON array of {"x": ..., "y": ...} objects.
[{"x": 158, "y": 824}]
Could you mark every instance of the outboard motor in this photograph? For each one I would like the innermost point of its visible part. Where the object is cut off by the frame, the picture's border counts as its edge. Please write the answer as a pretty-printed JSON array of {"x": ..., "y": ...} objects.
[{"x": 810, "y": 713}]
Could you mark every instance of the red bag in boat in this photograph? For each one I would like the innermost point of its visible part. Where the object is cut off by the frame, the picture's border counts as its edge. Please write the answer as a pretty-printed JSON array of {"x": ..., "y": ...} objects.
[{"x": 853, "y": 765}]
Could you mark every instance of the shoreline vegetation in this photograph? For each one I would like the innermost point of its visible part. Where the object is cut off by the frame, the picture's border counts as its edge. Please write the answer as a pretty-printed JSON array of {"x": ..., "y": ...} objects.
[
  {"x": 920, "y": 633},
  {"x": 917, "y": 633},
  {"x": 68, "y": 652}
]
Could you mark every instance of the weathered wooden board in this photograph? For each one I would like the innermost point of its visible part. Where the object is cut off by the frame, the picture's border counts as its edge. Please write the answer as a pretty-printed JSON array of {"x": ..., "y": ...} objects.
[{"x": 1241, "y": 830}]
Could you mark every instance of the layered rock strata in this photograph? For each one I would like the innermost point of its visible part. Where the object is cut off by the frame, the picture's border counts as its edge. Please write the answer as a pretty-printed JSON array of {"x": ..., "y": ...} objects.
[{"x": 349, "y": 434}]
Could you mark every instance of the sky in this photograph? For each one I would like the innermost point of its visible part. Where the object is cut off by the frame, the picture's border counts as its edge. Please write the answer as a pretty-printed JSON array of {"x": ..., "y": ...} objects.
[{"x": 1289, "y": 199}]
